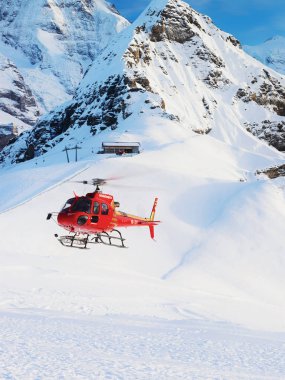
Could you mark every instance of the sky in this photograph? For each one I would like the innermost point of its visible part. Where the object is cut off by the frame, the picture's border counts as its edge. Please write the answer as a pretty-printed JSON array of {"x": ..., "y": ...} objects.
[{"x": 251, "y": 21}]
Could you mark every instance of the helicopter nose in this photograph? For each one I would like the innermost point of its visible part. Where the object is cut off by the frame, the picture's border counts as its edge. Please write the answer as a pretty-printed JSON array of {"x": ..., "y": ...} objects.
[{"x": 62, "y": 218}]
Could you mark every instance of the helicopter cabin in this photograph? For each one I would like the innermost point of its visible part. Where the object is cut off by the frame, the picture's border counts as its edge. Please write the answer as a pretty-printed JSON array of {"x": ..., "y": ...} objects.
[{"x": 121, "y": 148}]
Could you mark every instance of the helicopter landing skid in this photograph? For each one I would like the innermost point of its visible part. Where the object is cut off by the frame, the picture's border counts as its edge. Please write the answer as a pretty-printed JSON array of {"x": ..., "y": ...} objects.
[{"x": 81, "y": 242}]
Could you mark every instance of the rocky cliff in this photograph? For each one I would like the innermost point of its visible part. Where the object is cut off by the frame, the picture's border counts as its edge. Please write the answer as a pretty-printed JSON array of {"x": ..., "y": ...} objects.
[{"x": 16, "y": 99}]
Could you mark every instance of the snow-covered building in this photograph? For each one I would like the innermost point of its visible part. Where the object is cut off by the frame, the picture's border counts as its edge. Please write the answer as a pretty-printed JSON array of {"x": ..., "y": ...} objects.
[{"x": 121, "y": 147}]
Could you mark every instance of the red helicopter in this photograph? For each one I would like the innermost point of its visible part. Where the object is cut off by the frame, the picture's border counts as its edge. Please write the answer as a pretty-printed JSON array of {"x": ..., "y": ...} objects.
[{"x": 93, "y": 218}]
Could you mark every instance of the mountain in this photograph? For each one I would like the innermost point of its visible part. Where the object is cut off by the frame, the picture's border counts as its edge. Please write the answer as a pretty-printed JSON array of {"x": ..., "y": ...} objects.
[
  {"x": 53, "y": 42},
  {"x": 271, "y": 53},
  {"x": 173, "y": 65}
]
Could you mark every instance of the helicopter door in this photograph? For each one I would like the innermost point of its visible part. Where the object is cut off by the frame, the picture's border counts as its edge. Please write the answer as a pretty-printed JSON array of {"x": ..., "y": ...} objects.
[
  {"x": 104, "y": 209},
  {"x": 105, "y": 215}
]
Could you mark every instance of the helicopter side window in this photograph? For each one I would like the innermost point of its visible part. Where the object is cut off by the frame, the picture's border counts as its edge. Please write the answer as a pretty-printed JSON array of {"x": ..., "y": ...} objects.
[
  {"x": 96, "y": 208},
  {"x": 104, "y": 209},
  {"x": 68, "y": 204},
  {"x": 82, "y": 204}
]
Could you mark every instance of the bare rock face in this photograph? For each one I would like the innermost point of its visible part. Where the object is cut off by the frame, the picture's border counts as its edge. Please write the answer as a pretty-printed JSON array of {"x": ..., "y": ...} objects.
[
  {"x": 268, "y": 92},
  {"x": 234, "y": 41},
  {"x": 7, "y": 134},
  {"x": 174, "y": 26},
  {"x": 16, "y": 98},
  {"x": 272, "y": 132},
  {"x": 109, "y": 97},
  {"x": 274, "y": 172}
]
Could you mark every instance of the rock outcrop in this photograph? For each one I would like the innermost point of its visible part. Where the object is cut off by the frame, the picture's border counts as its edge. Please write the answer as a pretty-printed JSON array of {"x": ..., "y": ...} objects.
[{"x": 16, "y": 98}]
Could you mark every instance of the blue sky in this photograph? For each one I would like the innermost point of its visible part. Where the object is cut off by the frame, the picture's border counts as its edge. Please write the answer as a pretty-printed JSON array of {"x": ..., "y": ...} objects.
[{"x": 251, "y": 21}]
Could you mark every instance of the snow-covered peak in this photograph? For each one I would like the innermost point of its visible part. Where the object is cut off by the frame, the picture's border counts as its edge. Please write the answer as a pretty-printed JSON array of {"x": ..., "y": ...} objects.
[
  {"x": 271, "y": 53},
  {"x": 67, "y": 21},
  {"x": 167, "y": 21},
  {"x": 276, "y": 38},
  {"x": 53, "y": 42}
]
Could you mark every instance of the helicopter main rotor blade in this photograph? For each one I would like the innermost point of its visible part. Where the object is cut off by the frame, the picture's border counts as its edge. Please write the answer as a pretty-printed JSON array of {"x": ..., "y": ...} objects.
[
  {"x": 94, "y": 181},
  {"x": 110, "y": 181},
  {"x": 134, "y": 187},
  {"x": 97, "y": 181}
]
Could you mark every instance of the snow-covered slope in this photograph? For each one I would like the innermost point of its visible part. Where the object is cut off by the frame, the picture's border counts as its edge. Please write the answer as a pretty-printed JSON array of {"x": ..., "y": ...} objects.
[
  {"x": 171, "y": 66},
  {"x": 271, "y": 53},
  {"x": 217, "y": 266},
  {"x": 219, "y": 247},
  {"x": 53, "y": 42}
]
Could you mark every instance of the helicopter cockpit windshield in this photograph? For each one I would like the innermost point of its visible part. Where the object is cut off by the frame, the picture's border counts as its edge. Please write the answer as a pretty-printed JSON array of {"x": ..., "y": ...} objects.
[
  {"x": 82, "y": 204},
  {"x": 68, "y": 204}
]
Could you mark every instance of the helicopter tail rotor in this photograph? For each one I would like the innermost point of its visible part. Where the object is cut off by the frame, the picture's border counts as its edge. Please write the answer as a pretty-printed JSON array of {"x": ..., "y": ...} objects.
[
  {"x": 153, "y": 210},
  {"x": 151, "y": 219}
]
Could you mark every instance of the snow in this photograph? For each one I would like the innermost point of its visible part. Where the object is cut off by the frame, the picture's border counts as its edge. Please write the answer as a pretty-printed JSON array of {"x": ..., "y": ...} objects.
[
  {"x": 204, "y": 300},
  {"x": 44, "y": 86},
  {"x": 130, "y": 348},
  {"x": 50, "y": 42},
  {"x": 116, "y": 143},
  {"x": 7, "y": 118},
  {"x": 271, "y": 52}
]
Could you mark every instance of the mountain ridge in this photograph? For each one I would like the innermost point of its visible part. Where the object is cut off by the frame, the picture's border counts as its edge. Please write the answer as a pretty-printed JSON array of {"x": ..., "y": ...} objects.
[{"x": 175, "y": 64}]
